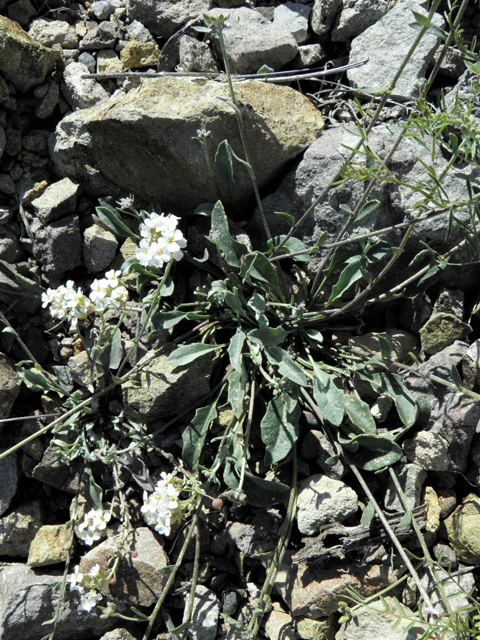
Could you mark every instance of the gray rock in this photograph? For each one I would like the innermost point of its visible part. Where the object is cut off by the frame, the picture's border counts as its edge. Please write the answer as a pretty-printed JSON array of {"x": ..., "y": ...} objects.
[
  {"x": 293, "y": 17},
  {"x": 456, "y": 589},
  {"x": 88, "y": 60},
  {"x": 206, "y": 610},
  {"x": 445, "y": 556},
  {"x": 411, "y": 478},
  {"x": 49, "y": 102},
  {"x": 28, "y": 599},
  {"x": 18, "y": 529},
  {"x": 103, "y": 9},
  {"x": 441, "y": 330},
  {"x": 471, "y": 367},
  {"x": 10, "y": 384},
  {"x": 373, "y": 621},
  {"x": 279, "y": 624},
  {"x": 118, "y": 634},
  {"x": 58, "y": 246},
  {"x": 356, "y": 16},
  {"x": 138, "y": 32},
  {"x": 57, "y": 201},
  {"x": 99, "y": 248},
  {"x": 138, "y": 579},
  {"x": 454, "y": 416},
  {"x": 196, "y": 55},
  {"x": 386, "y": 43},
  {"x": 427, "y": 450},
  {"x": 463, "y": 89},
  {"x": 7, "y": 185},
  {"x": 60, "y": 475},
  {"x": 50, "y": 32},
  {"x": 102, "y": 36},
  {"x": 9, "y": 476},
  {"x": 3, "y": 141},
  {"x": 310, "y": 54},
  {"x": 10, "y": 248},
  {"x": 81, "y": 93},
  {"x": 166, "y": 17},
  {"x": 322, "y": 500},
  {"x": 160, "y": 389},
  {"x": 11, "y": 291},
  {"x": 21, "y": 11},
  {"x": 252, "y": 41},
  {"x": 260, "y": 536},
  {"x": 323, "y": 16},
  {"x": 158, "y": 122},
  {"x": 450, "y": 301},
  {"x": 316, "y": 446},
  {"x": 83, "y": 370},
  {"x": 14, "y": 142},
  {"x": 23, "y": 61}
]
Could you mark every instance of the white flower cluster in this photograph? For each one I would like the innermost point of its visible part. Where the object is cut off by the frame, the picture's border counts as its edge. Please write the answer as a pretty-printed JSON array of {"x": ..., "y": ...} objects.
[
  {"x": 67, "y": 304},
  {"x": 161, "y": 240},
  {"x": 88, "y": 586},
  {"x": 109, "y": 292},
  {"x": 94, "y": 525},
  {"x": 158, "y": 506}
]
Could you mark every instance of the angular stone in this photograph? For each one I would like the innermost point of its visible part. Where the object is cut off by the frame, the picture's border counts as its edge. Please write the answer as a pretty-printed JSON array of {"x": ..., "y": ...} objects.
[
  {"x": 321, "y": 500},
  {"x": 50, "y": 32},
  {"x": 260, "y": 536},
  {"x": 48, "y": 546},
  {"x": 136, "y": 55},
  {"x": 99, "y": 248},
  {"x": 49, "y": 102},
  {"x": 428, "y": 450},
  {"x": 279, "y": 625},
  {"x": 80, "y": 92},
  {"x": 323, "y": 16},
  {"x": 102, "y": 36},
  {"x": 24, "y": 61},
  {"x": 462, "y": 530},
  {"x": 166, "y": 17},
  {"x": 441, "y": 330},
  {"x": 10, "y": 384},
  {"x": 356, "y": 16},
  {"x": 18, "y": 529},
  {"x": 471, "y": 367},
  {"x": 10, "y": 248},
  {"x": 58, "y": 246},
  {"x": 401, "y": 343},
  {"x": 21, "y": 11},
  {"x": 138, "y": 579},
  {"x": 387, "y": 42},
  {"x": 309, "y": 629},
  {"x": 9, "y": 476},
  {"x": 83, "y": 370},
  {"x": 154, "y": 151},
  {"x": 108, "y": 62},
  {"x": 308, "y": 591},
  {"x": 373, "y": 621},
  {"x": 57, "y": 201},
  {"x": 411, "y": 478},
  {"x": 252, "y": 41},
  {"x": 206, "y": 611},
  {"x": 310, "y": 54},
  {"x": 196, "y": 55},
  {"x": 161, "y": 389},
  {"x": 293, "y": 17}
]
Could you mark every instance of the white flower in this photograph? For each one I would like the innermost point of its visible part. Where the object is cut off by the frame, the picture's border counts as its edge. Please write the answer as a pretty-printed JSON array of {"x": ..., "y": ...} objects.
[
  {"x": 109, "y": 292},
  {"x": 93, "y": 525},
  {"x": 161, "y": 240},
  {"x": 125, "y": 202},
  {"x": 89, "y": 599},
  {"x": 76, "y": 578},
  {"x": 158, "y": 506},
  {"x": 66, "y": 303},
  {"x": 95, "y": 572}
]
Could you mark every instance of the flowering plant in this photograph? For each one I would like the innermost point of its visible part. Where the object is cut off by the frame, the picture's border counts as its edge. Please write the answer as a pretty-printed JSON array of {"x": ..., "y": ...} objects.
[
  {"x": 94, "y": 525},
  {"x": 159, "y": 506},
  {"x": 161, "y": 240},
  {"x": 88, "y": 585}
]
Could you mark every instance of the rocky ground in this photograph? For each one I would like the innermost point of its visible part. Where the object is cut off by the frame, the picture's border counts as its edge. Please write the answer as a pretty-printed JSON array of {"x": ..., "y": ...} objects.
[{"x": 67, "y": 139}]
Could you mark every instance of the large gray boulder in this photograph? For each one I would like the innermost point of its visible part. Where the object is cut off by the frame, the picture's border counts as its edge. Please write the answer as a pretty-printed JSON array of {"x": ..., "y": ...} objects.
[
  {"x": 141, "y": 142},
  {"x": 165, "y": 17},
  {"x": 385, "y": 44}
]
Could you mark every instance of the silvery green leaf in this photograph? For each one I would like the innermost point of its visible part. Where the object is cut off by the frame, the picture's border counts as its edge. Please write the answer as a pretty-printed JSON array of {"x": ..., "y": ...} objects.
[
  {"x": 286, "y": 365},
  {"x": 328, "y": 397},
  {"x": 190, "y": 352}
]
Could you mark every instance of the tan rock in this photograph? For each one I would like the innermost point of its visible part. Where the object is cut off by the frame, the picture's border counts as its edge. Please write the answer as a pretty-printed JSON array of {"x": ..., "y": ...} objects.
[
  {"x": 48, "y": 546},
  {"x": 136, "y": 55},
  {"x": 309, "y": 629},
  {"x": 434, "y": 509},
  {"x": 462, "y": 530},
  {"x": 279, "y": 625},
  {"x": 141, "y": 142},
  {"x": 108, "y": 62}
]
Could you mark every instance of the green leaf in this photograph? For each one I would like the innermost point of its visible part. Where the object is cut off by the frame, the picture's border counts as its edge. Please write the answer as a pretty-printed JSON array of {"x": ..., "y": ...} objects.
[
  {"x": 286, "y": 216},
  {"x": 421, "y": 18},
  {"x": 170, "y": 568},
  {"x": 257, "y": 266},
  {"x": 224, "y": 164},
  {"x": 376, "y": 453},
  {"x": 359, "y": 413},
  {"x": 265, "y": 69},
  {"x": 237, "y": 383},
  {"x": 367, "y": 209},
  {"x": 263, "y": 493},
  {"x": 190, "y": 352},
  {"x": 204, "y": 209},
  {"x": 167, "y": 319},
  {"x": 268, "y": 336},
  {"x": 367, "y": 515},
  {"x": 222, "y": 238},
  {"x": 202, "y": 29},
  {"x": 286, "y": 366},
  {"x": 193, "y": 437},
  {"x": 29, "y": 285},
  {"x": 235, "y": 349},
  {"x": 291, "y": 246},
  {"x": 180, "y": 629},
  {"x": 93, "y": 489},
  {"x": 457, "y": 380},
  {"x": 314, "y": 334},
  {"x": 391, "y": 384},
  {"x": 351, "y": 274},
  {"x": 257, "y": 303},
  {"x": 279, "y": 428},
  {"x": 406, "y": 520},
  {"x": 111, "y": 219},
  {"x": 385, "y": 347},
  {"x": 328, "y": 397},
  {"x": 36, "y": 381}
]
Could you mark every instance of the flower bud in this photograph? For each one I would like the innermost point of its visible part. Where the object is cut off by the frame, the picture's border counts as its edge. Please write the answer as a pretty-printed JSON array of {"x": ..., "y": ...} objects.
[{"x": 217, "y": 503}]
